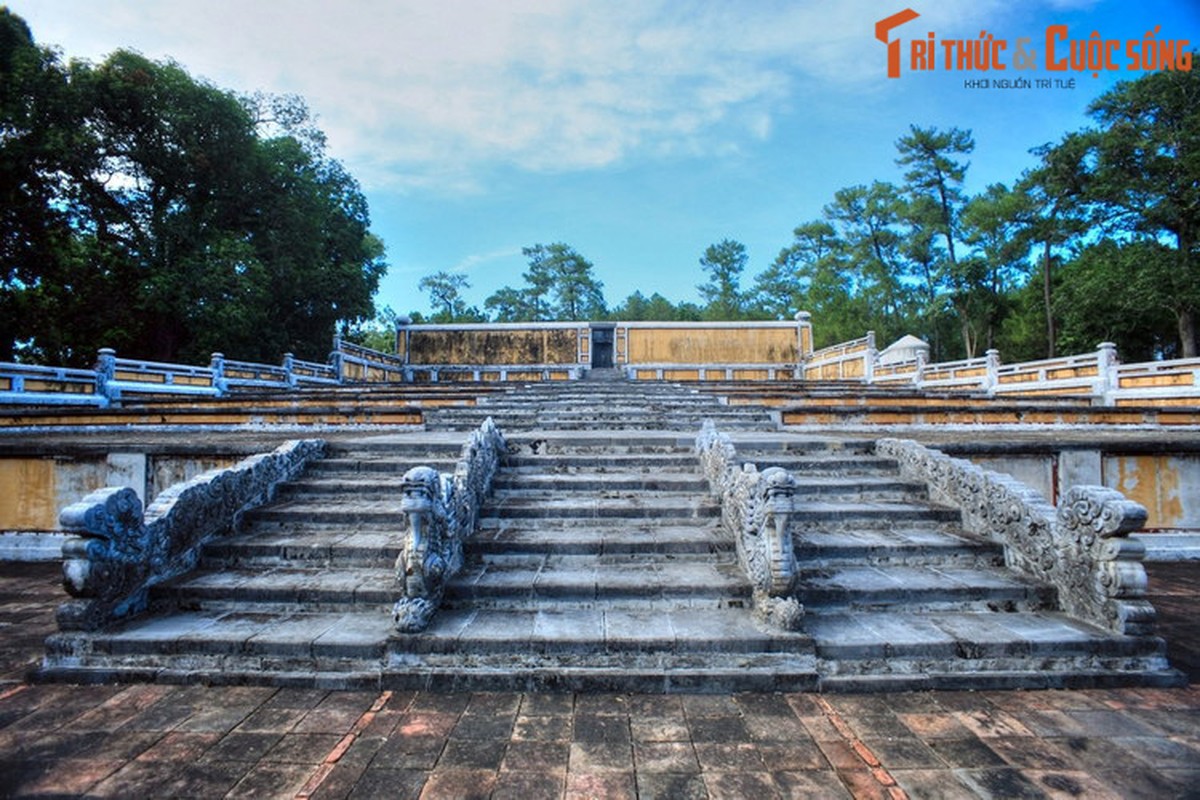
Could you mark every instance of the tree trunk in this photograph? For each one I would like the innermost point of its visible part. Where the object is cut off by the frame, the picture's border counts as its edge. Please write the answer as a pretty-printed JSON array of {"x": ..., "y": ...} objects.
[
  {"x": 1047, "y": 298},
  {"x": 1187, "y": 332},
  {"x": 1187, "y": 316}
]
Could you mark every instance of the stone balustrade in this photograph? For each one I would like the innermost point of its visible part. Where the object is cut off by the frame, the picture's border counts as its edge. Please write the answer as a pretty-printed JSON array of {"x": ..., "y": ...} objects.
[
  {"x": 115, "y": 379},
  {"x": 1082, "y": 547},
  {"x": 116, "y": 552},
  {"x": 440, "y": 515},
  {"x": 755, "y": 510}
]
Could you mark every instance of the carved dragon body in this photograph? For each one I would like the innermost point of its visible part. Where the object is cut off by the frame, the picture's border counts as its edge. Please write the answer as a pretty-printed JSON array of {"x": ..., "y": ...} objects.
[
  {"x": 429, "y": 553},
  {"x": 756, "y": 508}
]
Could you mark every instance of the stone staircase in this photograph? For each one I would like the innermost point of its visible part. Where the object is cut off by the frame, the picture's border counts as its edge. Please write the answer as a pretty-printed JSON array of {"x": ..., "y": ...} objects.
[
  {"x": 600, "y": 563},
  {"x": 601, "y": 405},
  {"x": 302, "y": 596},
  {"x": 898, "y": 597}
]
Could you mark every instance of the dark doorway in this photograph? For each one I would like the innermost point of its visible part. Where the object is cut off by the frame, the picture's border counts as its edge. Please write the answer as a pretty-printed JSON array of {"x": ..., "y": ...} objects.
[{"x": 602, "y": 346}]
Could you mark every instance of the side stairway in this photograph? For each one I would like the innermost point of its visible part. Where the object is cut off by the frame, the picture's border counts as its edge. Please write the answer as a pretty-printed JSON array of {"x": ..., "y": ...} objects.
[
  {"x": 601, "y": 405},
  {"x": 301, "y": 596},
  {"x": 898, "y": 597}
]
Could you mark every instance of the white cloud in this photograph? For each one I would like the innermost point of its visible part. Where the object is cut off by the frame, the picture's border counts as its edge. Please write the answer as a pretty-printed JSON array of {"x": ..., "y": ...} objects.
[{"x": 415, "y": 93}]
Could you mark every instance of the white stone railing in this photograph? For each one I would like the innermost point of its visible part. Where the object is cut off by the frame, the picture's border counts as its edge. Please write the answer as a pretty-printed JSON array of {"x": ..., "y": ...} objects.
[
  {"x": 354, "y": 363},
  {"x": 115, "y": 379},
  {"x": 440, "y": 513},
  {"x": 852, "y": 360},
  {"x": 1177, "y": 379},
  {"x": 755, "y": 510},
  {"x": 1082, "y": 548},
  {"x": 1097, "y": 375},
  {"x": 116, "y": 552}
]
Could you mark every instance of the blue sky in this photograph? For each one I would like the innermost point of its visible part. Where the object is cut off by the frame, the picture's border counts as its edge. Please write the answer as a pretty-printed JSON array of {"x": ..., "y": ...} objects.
[{"x": 636, "y": 131}]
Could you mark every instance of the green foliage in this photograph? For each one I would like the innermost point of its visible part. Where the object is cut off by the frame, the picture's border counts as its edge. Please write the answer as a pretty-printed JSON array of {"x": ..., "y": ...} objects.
[
  {"x": 560, "y": 284},
  {"x": 1146, "y": 177},
  {"x": 1119, "y": 293},
  {"x": 656, "y": 308},
  {"x": 723, "y": 262},
  {"x": 445, "y": 290},
  {"x": 149, "y": 211}
]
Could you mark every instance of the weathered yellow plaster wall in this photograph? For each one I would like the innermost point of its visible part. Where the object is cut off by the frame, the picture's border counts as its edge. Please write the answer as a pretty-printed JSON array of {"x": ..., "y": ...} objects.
[
  {"x": 34, "y": 490},
  {"x": 1157, "y": 482},
  {"x": 715, "y": 346},
  {"x": 497, "y": 346}
]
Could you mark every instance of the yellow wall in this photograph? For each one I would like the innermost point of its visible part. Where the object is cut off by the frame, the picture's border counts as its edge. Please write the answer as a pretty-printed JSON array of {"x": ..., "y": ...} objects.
[
  {"x": 493, "y": 346},
  {"x": 712, "y": 346},
  {"x": 28, "y": 494}
]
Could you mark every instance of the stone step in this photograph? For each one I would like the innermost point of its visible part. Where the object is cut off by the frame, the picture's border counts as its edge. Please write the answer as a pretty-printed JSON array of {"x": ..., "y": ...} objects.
[
  {"x": 590, "y": 462},
  {"x": 957, "y": 650},
  {"x": 379, "y": 512},
  {"x": 598, "y": 540},
  {"x": 627, "y": 505},
  {"x": 895, "y": 545},
  {"x": 314, "y": 547},
  {"x": 379, "y": 466},
  {"x": 830, "y": 515},
  {"x": 679, "y": 650},
  {"x": 282, "y": 590},
  {"x": 308, "y": 547},
  {"x": 877, "y": 488},
  {"x": 513, "y": 484},
  {"x": 509, "y": 578},
  {"x": 915, "y": 588},
  {"x": 343, "y": 489},
  {"x": 531, "y": 582},
  {"x": 824, "y": 465}
]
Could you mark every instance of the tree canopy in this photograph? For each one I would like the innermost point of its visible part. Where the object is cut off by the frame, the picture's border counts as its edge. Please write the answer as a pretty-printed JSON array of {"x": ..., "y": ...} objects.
[{"x": 147, "y": 210}]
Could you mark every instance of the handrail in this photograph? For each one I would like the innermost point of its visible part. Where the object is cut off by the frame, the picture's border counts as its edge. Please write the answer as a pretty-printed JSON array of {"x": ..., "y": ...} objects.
[
  {"x": 1082, "y": 547},
  {"x": 755, "y": 510},
  {"x": 440, "y": 511},
  {"x": 117, "y": 552}
]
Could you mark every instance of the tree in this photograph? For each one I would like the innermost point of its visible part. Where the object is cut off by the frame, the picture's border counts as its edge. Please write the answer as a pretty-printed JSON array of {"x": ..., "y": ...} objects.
[
  {"x": 723, "y": 262},
  {"x": 539, "y": 277},
  {"x": 146, "y": 210},
  {"x": 779, "y": 290},
  {"x": 579, "y": 294},
  {"x": 1055, "y": 191},
  {"x": 992, "y": 224},
  {"x": 39, "y": 131},
  {"x": 509, "y": 305},
  {"x": 935, "y": 174},
  {"x": 866, "y": 218},
  {"x": 1147, "y": 176},
  {"x": 1113, "y": 292},
  {"x": 445, "y": 293},
  {"x": 656, "y": 308}
]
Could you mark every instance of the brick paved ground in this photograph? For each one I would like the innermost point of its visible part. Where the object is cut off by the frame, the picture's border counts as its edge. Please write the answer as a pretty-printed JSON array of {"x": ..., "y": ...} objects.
[{"x": 188, "y": 741}]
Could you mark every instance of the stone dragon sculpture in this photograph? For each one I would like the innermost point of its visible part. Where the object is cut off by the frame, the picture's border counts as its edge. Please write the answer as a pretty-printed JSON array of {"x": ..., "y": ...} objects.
[
  {"x": 115, "y": 552},
  {"x": 756, "y": 508},
  {"x": 1082, "y": 547},
  {"x": 440, "y": 514}
]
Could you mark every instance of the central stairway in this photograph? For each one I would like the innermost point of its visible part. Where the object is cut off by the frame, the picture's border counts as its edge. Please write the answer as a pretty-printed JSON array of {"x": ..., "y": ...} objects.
[
  {"x": 601, "y": 405},
  {"x": 600, "y": 562}
]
